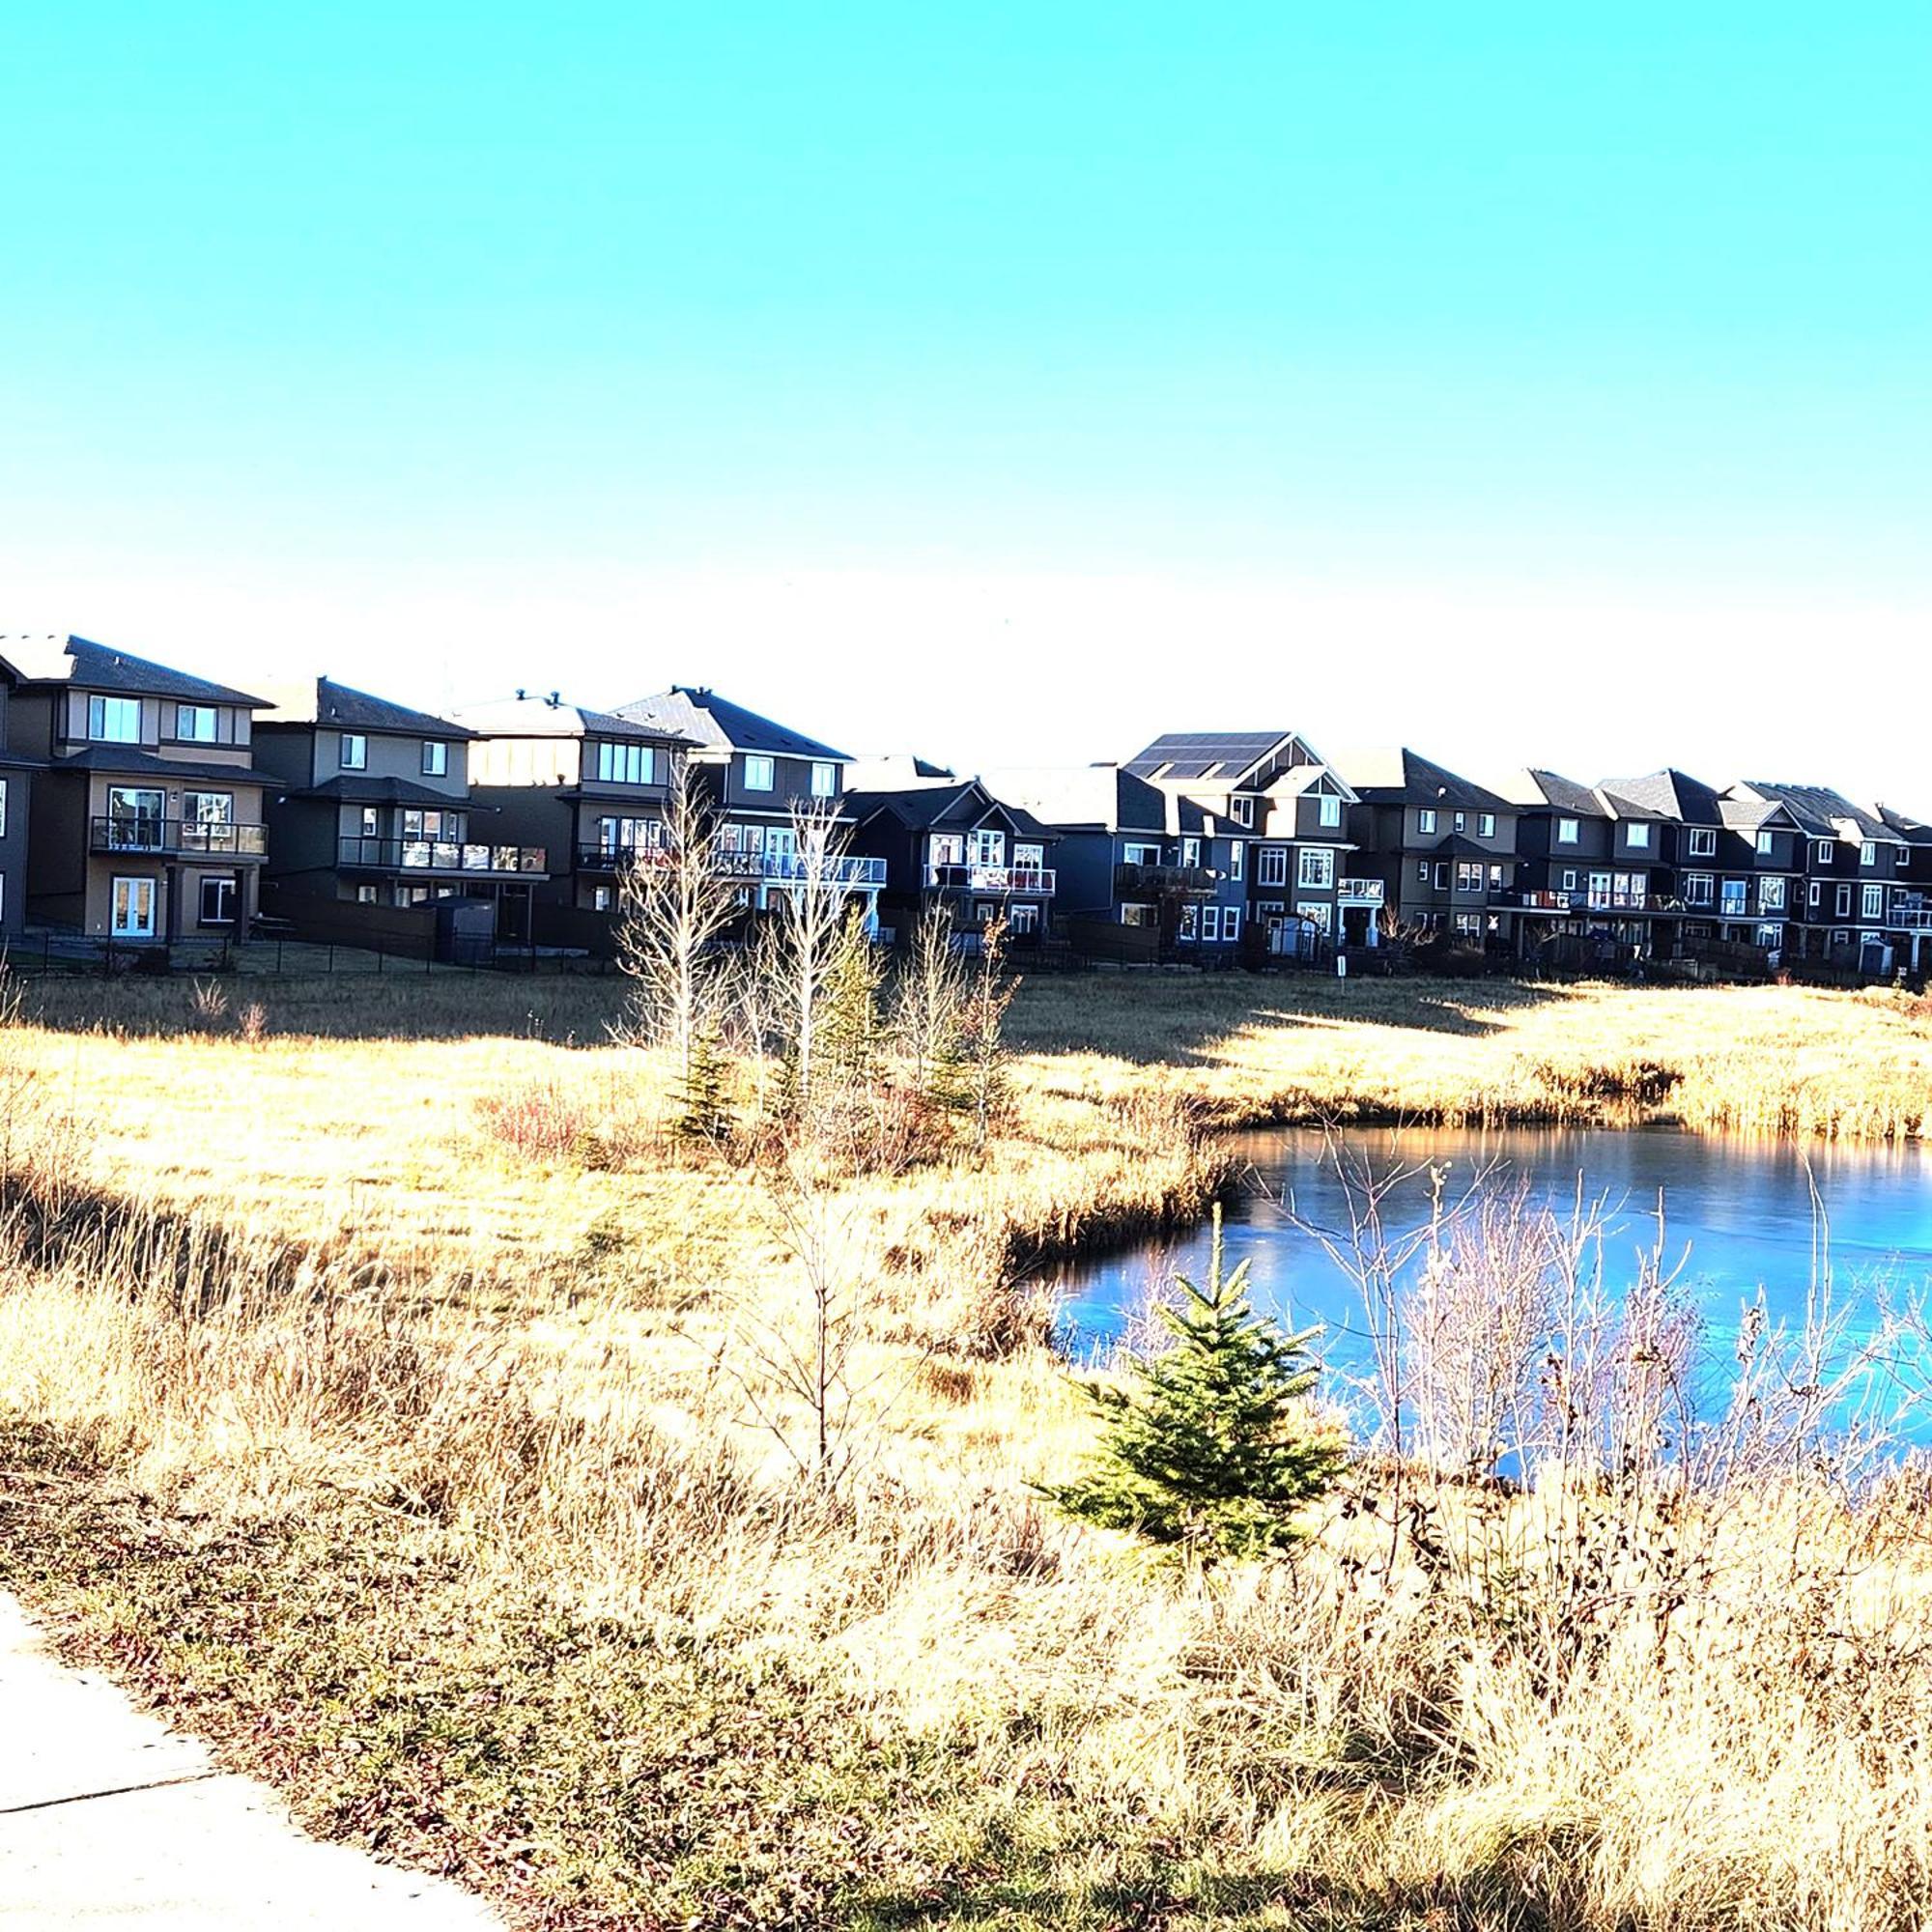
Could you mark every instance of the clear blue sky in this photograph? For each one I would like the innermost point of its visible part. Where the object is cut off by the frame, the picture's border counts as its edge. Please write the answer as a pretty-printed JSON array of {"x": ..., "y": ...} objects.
[{"x": 1532, "y": 383}]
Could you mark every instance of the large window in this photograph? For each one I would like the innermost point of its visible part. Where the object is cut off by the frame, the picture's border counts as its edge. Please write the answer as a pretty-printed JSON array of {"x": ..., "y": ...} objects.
[
  {"x": 1771, "y": 895},
  {"x": 218, "y": 898},
  {"x": 207, "y": 808},
  {"x": 1874, "y": 902},
  {"x": 1637, "y": 836},
  {"x": 1703, "y": 842},
  {"x": 197, "y": 724},
  {"x": 1700, "y": 889},
  {"x": 1140, "y": 855},
  {"x": 760, "y": 774},
  {"x": 1274, "y": 866},
  {"x": 114, "y": 721},
  {"x": 626, "y": 764},
  {"x": 1315, "y": 868},
  {"x": 947, "y": 848},
  {"x": 134, "y": 818}
]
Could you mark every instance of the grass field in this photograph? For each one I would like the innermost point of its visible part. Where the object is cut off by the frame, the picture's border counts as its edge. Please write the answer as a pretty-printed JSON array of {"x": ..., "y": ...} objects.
[{"x": 380, "y": 1393}]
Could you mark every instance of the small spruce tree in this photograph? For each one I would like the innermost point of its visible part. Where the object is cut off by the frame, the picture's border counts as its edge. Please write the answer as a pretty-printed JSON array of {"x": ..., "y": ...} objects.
[
  {"x": 703, "y": 1112},
  {"x": 1204, "y": 1451},
  {"x": 850, "y": 1025}
]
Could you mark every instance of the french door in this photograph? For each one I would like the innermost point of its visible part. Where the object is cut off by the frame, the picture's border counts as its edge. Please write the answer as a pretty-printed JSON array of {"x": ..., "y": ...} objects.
[{"x": 131, "y": 909}]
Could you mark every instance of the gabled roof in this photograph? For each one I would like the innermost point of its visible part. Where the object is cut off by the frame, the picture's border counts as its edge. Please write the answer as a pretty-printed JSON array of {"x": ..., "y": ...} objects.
[
  {"x": 1532, "y": 786},
  {"x": 527, "y": 716},
  {"x": 1824, "y": 814},
  {"x": 1669, "y": 794},
  {"x": 923, "y": 808},
  {"x": 341, "y": 706},
  {"x": 701, "y": 715},
  {"x": 1743, "y": 812},
  {"x": 79, "y": 662},
  {"x": 1082, "y": 798},
  {"x": 1211, "y": 758},
  {"x": 1396, "y": 775},
  {"x": 1299, "y": 779},
  {"x": 1903, "y": 825}
]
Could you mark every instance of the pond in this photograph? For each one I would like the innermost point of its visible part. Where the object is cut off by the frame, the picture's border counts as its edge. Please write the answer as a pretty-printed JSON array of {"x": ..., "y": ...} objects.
[{"x": 1738, "y": 1217}]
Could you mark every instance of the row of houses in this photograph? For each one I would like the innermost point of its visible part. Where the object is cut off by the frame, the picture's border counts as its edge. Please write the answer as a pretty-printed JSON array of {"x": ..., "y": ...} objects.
[{"x": 140, "y": 803}]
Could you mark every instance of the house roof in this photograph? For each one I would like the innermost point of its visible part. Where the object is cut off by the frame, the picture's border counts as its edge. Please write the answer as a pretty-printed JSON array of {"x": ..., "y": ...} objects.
[
  {"x": 1299, "y": 779},
  {"x": 1533, "y": 787},
  {"x": 135, "y": 763},
  {"x": 79, "y": 661},
  {"x": 1824, "y": 814},
  {"x": 699, "y": 714},
  {"x": 1095, "y": 798},
  {"x": 1903, "y": 825},
  {"x": 1214, "y": 758},
  {"x": 384, "y": 791},
  {"x": 922, "y": 807},
  {"x": 1396, "y": 775},
  {"x": 1669, "y": 794},
  {"x": 342, "y": 706},
  {"x": 529, "y": 715}
]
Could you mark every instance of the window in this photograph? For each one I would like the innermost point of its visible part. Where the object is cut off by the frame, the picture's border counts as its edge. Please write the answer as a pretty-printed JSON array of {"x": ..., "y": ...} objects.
[
  {"x": 1230, "y": 923},
  {"x": 1844, "y": 901},
  {"x": 1424, "y": 821},
  {"x": 1188, "y": 927},
  {"x": 1486, "y": 825},
  {"x": 2, "y": 808},
  {"x": 135, "y": 818},
  {"x": 371, "y": 819},
  {"x": 824, "y": 780},
  {"x": 760, "y": 774},
  {"x": 1140, "y": 855},
  {"x": 217, "y": 901},
  {"x": 1029, "y": 858},
  {"x": 436, "y": 758},
  {"x": 989, "y": 848},
  {"x": 1700, "y": 889},
  {"x": 1734, "y": 898},
  {"x": 1274, "y": 866},
  {"x": 1023, "y": 919},
  {"x": 1874, "y": 902},
  {"x": 130, "y": 909},
  {"x": 1211, "y": 924},
  {"x": 1468, "y": 876},
  {"x": 1869, "y": 853},
  {"x": 1443, "y": 875},
  {"x": 1422, "y": 872},
  {"x": 1134, "y": 914},
  {"x": 1317, "y": 912},
  {"x": 1637, "y": 836},
  {"x": 1769, "y": 937},
  {"x": 1771, "y": 895},
  {"x": 197, "y": 724},
  {"x": 1823, "y": 850},
  {"x": 1190, "y": 852},
  {"x": 353, "y": 754},
  {"x": 947, "y": 848},
  {"x": 1817, "y": 895},
  {"x": 1567, "y": 832},
  {"x": 365, "y": 894},
  {"x": 207, "y": 808},
  {"x": 600, "y": 898},
  {"x": 627, "y": 835},
  {"x": 1315, "y": 868},
  {"x": 1233, "y": 858},
  {"x": 1328, "y": 811},
  {"x": 115, "y": 721},
  {"x": 1767, "y": 844},
  {"x": 626, "y": 764},
  {"x": 1243, "y": 810},
  {"x": 1461, "y": 821},
  {"x": 1703, "y": 842},
  {"x": 1569, "y": 878}
]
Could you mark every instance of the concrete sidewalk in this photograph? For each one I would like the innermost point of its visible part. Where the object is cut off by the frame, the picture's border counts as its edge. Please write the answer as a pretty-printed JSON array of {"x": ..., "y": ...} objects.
[{"x": 107, "y": 1818}]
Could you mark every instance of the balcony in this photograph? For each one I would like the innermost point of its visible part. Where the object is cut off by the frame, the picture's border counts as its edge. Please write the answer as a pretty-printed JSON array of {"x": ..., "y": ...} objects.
[
  {"x": 1360, "y": 891},
  {"x": 177, "y": 837},
  {"x": 827, "y": 869},
  {"x": 1133, "y": 880},
  {"x": 1035, "y": 881},
  {"x": 438, "y": 855},
  {"x": 1582, "y": 900}
]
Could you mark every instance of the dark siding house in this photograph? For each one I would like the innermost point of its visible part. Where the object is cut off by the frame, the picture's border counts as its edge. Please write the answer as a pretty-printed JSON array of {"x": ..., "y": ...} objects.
[
  {"x": 1444, "y": 846},
  {"x": 371, "y": 804},
  {"x": 146, "y": 820},
  {"x": 762, "y": 778},
  {"x": 1125, "y": 886},
  {"x": 949, "y": 842},
  {"x": 587, "y": 788}
]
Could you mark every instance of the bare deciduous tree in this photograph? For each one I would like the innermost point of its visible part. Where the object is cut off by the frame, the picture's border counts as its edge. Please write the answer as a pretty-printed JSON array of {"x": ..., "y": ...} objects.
[
  {"x": 676, "y": 903},
  {"x": 801, "y": 938}
]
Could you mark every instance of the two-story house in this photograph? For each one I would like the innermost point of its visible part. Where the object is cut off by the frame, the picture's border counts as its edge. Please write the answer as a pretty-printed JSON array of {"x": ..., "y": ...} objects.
[
  {"x": 146, "y": 818},
  {"x": 585, "y": 791},
  {"x": 1304, "y": 896},
  {"x": 1592, "y": 882},
  {"x": 1911, "y": 900},
  {"x": 371, "y": 804},
  {"x": 1124, "y": 887},
  {"x": 759, "y": 778},
  {"x": 1444, "y": 846},
  {"x": 949, "y": 842}
]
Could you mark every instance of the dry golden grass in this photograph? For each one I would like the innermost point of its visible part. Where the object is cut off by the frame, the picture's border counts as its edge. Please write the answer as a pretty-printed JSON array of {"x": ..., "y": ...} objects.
[{"x": 379, "y": 1406}]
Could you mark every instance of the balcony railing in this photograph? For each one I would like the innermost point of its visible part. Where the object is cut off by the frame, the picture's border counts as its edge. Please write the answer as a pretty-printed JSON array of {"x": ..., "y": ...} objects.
[
  {"x": 1035, "y": 880},
  {"x": 438, "y": 855},
  {"x": 830, "y": 871},
  {"x": 1133, "y": 879},
  {"x": 1582, "y": 900},
  {"x": 1360, "y": 891},
  {"x": 166, "y": 837}
]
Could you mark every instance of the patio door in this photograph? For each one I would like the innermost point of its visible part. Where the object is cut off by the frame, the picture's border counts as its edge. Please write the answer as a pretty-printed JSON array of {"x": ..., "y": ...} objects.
[
  {"x": 131, "y": 909},
  {"x": 134, "y": 818}
]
